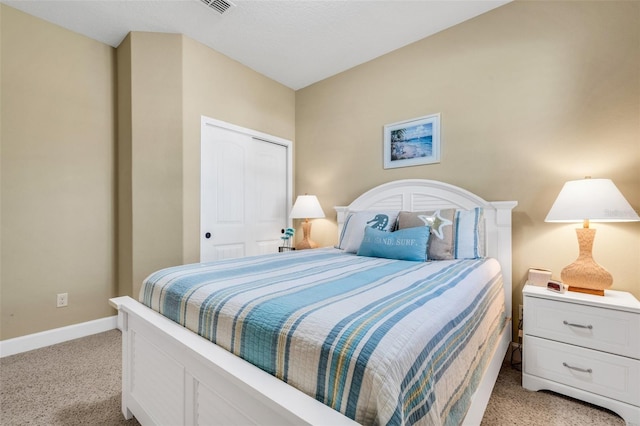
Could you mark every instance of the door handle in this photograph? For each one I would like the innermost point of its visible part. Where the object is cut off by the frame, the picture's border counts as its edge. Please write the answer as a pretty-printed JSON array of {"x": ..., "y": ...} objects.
[{"x": 207, "y": 235}]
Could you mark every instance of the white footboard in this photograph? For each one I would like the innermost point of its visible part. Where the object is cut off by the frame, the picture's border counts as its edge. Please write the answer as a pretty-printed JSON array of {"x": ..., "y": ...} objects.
[{"x": 172, "y": 376}]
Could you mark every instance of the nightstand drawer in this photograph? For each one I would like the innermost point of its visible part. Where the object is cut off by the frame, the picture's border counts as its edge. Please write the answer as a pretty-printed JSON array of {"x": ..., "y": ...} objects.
[
  {"x": 603, "y": 329},
  {"x": 600, "y": 373}
]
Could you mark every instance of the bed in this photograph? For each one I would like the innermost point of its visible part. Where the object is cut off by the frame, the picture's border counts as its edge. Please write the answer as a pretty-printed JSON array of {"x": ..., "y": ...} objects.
[{"x": 173, "y": 376}]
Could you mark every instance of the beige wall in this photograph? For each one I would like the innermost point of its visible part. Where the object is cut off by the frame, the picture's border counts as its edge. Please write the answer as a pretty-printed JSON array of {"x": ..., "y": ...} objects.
[
  {"x": 218, "y": 87},
  {"x": 96, "y": 194},
  {"x": 174, "y": 81},
  {"x": 124, "y": 201},
  {"x": 58, "y": 141},
  {"x": 532, "y": 94},
  {"x": 150, "y": 156}
]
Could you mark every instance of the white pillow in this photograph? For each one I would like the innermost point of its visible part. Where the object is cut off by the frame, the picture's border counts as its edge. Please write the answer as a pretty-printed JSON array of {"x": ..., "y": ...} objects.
[
  {"x": 353, "y": 230},
  {"x": 469, "y": 234}
]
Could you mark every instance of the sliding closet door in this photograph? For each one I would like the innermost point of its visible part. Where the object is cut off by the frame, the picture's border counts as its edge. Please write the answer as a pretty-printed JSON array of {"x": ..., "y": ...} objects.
[{"x": 245, "y": 192}]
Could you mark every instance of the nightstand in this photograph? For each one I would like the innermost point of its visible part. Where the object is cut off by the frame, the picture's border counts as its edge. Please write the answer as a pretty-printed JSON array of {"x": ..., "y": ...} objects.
[{"x": 584, "y": 346}]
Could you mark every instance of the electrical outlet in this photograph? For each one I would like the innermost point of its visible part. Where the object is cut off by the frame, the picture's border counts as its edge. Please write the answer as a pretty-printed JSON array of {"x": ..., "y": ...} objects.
[
  {"x": 62, "y": 300},
  {"x": 520, "y": 312}
]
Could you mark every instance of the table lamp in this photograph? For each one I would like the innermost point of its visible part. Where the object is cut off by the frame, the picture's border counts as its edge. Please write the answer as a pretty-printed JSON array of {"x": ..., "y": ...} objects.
[
  {"x": 589, "y": 200},
  {"x": 306, "y": 207}
]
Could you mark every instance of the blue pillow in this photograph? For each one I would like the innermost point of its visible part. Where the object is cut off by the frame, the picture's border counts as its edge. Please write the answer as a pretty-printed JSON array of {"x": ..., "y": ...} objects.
[{"x": 405, "y": 244}]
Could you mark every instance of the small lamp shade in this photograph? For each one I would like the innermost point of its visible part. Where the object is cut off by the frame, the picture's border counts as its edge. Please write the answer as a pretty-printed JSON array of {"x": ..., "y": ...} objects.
[
  {"x": 306, "y": 207},
  {"x": 596, "y": 200},
  {"x": 585, "y": 200}
]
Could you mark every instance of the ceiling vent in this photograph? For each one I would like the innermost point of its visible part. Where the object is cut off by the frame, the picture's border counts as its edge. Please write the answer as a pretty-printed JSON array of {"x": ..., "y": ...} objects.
[{"x": 220, "y": 6}]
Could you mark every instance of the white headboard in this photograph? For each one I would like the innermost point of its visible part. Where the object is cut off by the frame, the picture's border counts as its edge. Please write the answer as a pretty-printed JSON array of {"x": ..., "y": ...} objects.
[{"x": 422, "y": 194}]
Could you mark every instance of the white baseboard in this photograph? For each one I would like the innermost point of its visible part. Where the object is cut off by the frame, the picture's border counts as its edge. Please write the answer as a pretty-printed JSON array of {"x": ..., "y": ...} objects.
[{"x": 57, "y": 335}]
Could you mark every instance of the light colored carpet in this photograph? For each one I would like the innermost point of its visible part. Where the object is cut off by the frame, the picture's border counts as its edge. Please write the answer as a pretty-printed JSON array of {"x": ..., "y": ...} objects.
[
  {"x": 72, "y": 383},
  {"x": 78, "y": 383}
]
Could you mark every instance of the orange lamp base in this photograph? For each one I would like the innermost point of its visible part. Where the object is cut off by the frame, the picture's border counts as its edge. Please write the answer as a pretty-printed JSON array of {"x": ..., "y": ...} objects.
[
  {"x": 306, "y": 242},
  {"x": 585, "y": 275}
]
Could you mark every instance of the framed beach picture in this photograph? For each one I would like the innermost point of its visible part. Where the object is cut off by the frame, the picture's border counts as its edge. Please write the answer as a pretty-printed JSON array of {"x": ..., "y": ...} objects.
[{"x": 412, "y": 142}]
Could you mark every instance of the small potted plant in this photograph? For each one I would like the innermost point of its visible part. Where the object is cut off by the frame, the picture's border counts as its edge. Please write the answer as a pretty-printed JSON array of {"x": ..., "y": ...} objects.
[{"x": 287, "y": 236}]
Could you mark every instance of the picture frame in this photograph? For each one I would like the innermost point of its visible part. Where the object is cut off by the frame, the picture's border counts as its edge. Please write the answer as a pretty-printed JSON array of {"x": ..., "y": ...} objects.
[{"x": 412, "y": 142}]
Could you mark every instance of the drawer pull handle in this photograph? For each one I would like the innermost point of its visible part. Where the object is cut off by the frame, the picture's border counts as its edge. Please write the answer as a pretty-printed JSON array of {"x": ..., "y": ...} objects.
[
  {"x": 577, "y": 325},
  {"x": 582, "y": 370}
]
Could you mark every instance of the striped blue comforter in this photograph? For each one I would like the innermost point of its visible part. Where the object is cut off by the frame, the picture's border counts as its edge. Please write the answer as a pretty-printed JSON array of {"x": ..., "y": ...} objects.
[{"x": 382, "y": 341}]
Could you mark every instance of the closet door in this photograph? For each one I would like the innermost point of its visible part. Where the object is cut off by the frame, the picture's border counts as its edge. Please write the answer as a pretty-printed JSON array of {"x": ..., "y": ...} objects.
[{"x": 245, "y": 193}]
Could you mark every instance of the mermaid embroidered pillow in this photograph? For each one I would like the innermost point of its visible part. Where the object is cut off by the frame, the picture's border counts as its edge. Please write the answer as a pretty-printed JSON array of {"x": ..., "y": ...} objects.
[{"x": 354, "y": 226}]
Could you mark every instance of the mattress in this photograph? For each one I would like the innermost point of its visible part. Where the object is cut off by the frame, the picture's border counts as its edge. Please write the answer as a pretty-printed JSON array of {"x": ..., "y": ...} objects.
[{"x": 382, "y": 341}]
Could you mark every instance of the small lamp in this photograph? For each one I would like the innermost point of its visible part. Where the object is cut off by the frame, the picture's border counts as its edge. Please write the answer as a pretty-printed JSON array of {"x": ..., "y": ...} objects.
[
  {"x": 585, "y": 200},
  {"x": 305, "y": 207}
]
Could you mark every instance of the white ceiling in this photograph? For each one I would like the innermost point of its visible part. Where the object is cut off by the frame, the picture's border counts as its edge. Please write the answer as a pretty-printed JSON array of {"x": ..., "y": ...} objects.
[{"x": 295, "y": 42}]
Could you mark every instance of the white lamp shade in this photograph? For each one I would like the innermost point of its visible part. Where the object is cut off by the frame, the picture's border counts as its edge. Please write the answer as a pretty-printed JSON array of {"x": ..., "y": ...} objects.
[
  {"x": 597, "y": 200},
  {"x": 306, "y": 207}
]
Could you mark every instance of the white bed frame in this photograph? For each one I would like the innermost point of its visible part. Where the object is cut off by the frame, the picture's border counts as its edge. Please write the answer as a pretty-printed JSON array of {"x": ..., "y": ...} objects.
[{"x": 175, "y": 377}]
